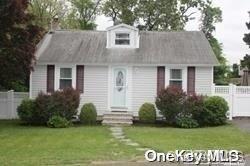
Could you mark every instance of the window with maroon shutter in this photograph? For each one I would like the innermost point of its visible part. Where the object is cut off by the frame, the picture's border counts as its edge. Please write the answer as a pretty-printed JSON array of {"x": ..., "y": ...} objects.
[
  {"x": 160, "y": 78},
  {"x": 176, "y": 78},
  {"x": 50, "y": 78},
  {"x": 65, "y": 80},
  {"x": 80, "y": 78},
  {"x": 191, "y": 80}
]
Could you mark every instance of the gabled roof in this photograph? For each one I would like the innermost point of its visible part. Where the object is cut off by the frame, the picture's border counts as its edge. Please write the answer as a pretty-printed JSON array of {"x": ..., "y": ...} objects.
[
  {"x": 89, "y": 47},
  {"x": 121, "y": 25}
]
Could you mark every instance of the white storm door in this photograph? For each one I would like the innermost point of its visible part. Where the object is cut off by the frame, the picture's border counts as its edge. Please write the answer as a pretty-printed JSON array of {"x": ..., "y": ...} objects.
[{"x": 119, "y": 87}]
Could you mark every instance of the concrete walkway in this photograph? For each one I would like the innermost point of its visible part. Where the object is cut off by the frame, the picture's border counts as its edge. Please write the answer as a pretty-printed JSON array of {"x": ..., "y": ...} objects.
[
  {"x": 243, "y": 124},
  {"x": 117, "y": 133}
]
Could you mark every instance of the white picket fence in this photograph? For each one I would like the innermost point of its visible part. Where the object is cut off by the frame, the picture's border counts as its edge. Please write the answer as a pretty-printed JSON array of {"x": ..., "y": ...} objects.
[
  {"x": 238, "y": 98},
  {"x": 9, "y": 101}
]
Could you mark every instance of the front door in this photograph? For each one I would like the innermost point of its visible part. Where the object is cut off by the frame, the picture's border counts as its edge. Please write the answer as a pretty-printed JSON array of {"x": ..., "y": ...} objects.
[{"x": 119, "y": 87}]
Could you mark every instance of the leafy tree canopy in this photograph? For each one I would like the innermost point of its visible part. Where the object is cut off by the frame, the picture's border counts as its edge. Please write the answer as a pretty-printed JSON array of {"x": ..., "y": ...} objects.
[
  {"x": 246, "y": 60},
  {"x": 18, "y": 38},
  {"x": 45, "y": 10},
  {"x": 209, "y": 17},
  {"x": 83, "y": 14}
]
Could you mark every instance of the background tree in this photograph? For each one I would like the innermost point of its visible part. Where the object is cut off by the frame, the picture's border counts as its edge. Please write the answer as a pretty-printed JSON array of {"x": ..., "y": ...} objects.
[
  {"x": 46, "y": 10},
  {"x": 159, "y": 15},
  {"x": 82, "y": 15},
  {"x": 209, "y": 17},
  {"x": 152, "y": 14},
  {"x": 166, "y": 15},
  {"x": 120, "y": 10},
  {"x": 246, "y": 60},
  {"x": 18, "y": 38},
  {"x": 235, "y": 71}
]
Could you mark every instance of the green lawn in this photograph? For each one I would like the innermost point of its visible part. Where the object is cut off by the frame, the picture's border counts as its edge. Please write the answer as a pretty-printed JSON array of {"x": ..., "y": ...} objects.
[
  {"x": 27, "y": 145},
  {"x": 166, "y": 138}
]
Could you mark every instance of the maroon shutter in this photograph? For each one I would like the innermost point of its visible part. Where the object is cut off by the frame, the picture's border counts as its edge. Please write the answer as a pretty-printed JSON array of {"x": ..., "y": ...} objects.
[
  {"x": 160, "y": 78},
  {"x": 50, "y": 78},
  {"x": 191, "y": 80},
  {"x": 80, "y": 78}
]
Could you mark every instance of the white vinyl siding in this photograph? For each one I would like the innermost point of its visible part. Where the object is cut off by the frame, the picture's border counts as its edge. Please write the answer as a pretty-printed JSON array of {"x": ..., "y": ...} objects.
[
  {"x": 38, "y": 80},
  {"x": 96, "y": 87},
  {"x": 144, "y": 85},
  {"x": 143, "y": 81},
  {"x": 203, "y": 80}
]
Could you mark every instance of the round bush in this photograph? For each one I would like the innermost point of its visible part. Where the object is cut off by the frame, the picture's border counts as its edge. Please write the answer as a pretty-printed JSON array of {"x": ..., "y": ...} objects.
[
  {"x": 214, "y": 112},
  {"x": 147, "y": 113},
  {"x": 88, "y": 114},
  {"x": 186, "y": 122},
  {"x": 26, "y": 111},
  {"x": 58, "y": 122}
]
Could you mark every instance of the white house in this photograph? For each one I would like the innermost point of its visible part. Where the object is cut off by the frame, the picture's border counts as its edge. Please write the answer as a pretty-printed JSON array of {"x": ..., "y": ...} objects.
[{"x": 121, "y": 68}]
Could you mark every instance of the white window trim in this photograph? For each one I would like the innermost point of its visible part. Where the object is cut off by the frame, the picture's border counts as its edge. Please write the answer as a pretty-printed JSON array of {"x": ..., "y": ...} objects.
[
  {"x": 121, "y": 46},
  {"x": 184, "y": 76},
  {"x": 57, "y": 75}
]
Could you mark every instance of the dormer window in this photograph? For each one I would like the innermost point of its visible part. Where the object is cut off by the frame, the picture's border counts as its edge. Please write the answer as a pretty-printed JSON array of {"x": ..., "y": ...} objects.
[
  {"x": 122, "y": 39},
  {"x": 122, "y": 36}
]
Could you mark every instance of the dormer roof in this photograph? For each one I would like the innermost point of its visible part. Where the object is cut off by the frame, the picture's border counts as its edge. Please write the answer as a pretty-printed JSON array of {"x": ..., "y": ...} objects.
[{"x": 121, "y": 26}]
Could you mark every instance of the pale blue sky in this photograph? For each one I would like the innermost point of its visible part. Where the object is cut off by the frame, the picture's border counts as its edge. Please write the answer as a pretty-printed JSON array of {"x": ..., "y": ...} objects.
[{"x": 230, "y": 32}]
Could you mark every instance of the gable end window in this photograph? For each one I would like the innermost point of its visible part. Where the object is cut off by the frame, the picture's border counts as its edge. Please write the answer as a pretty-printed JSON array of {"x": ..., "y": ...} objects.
[
  {"x": 122, "y": 39},
  {"x": 176, "y": 77},
  {"x": 65, "y": 78}
]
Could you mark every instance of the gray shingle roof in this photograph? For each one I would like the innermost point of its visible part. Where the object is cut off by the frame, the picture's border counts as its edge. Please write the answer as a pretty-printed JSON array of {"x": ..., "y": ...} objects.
[{"x": 155, "y": 48}]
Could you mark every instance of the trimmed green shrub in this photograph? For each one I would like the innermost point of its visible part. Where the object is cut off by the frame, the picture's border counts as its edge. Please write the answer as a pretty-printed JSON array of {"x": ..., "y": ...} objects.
[
  {"x": 147, "y": 113},
  {"x": 26, "y": 111},
  {"x": 88, "y": 114},
  {"x": 214, "y": 113},
  {"x": 186, "y": 122},
  {"x": 62, "y": 103},
  {"x": 58, "y": 122},
  {"x": 170, "y": 102}
]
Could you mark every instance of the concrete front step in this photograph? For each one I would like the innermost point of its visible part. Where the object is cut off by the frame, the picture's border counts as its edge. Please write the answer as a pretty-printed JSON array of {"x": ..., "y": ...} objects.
[
  {"x": 108, "y": 117},
  {"x": 116, "y": 122},
  {"x": 118, "y": 113},
  {"x": 113, "y": 118}
]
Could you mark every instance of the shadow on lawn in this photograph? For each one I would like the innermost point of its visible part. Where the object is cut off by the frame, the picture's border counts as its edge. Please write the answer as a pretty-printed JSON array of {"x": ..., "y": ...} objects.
[{"x": 163, "y": 124}]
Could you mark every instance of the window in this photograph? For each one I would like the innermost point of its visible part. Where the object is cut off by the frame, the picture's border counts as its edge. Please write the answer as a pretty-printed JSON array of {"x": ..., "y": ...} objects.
[
  {"x": 65, "y": 78},
  {"x": 122, "y": 39},
  {"x": 176, "y": 77}
]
